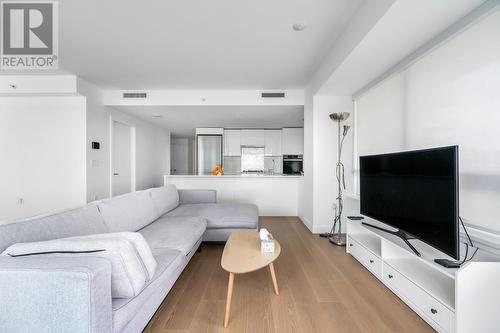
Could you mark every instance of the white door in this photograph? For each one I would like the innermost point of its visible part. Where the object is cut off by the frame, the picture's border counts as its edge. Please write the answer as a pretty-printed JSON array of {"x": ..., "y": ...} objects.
[
  {"x": 179, "y": 156},
  {"x": 122, "y": 159}
]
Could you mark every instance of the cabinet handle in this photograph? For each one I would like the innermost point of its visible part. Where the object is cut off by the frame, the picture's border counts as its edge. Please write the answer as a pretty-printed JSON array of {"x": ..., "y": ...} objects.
[
  {"x": 371, "y": 261},
  {"x": 350, "y": 244},
  {"x": 434, "y": 311},
  {"x": 390, "y": 276}
]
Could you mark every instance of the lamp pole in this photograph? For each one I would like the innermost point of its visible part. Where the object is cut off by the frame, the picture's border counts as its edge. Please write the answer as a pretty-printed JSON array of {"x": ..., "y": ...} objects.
[{"x": 339, "y": 238}]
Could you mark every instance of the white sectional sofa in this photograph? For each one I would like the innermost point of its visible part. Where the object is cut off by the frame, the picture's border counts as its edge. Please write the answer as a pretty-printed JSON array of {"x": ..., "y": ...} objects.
[{"x": 71, "y": 292}]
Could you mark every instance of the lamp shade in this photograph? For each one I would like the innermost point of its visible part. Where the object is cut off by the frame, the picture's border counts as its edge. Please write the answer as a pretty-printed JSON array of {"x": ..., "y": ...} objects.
[
  {"x": 346, "y": 129},
  {"x": 339, "y": 116}
]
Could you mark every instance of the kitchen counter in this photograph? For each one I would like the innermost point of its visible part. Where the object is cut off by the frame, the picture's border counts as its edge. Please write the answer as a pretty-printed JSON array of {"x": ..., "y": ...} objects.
[
  {"x": 275, "y": 195},
  {"x": 242, "y": 175}
]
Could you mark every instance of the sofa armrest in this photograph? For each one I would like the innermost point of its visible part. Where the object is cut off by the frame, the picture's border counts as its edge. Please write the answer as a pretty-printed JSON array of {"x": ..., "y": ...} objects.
[
  {"x": 197, "y": 196},
  {"x": 55, "y": 294}
]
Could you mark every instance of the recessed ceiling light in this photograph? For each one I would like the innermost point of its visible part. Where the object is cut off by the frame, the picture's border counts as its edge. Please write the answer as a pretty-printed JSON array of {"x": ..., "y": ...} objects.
[
  {"x": 157, "y": 116},
  {"x": 298, "y": 26}
]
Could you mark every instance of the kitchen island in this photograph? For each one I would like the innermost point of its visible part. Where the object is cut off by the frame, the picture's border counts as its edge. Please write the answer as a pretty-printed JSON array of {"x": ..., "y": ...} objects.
[{"x": 275, "y": 195}]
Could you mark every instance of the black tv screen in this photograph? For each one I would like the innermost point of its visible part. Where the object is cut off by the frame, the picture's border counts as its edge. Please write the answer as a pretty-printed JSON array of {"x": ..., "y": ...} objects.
[{"x": 416, "y": 192}]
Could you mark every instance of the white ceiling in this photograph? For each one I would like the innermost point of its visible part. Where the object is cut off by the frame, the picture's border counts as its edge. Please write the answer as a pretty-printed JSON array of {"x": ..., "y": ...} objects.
[
  {"x": 405, "y": 27},
  {"x": 195, "y": 44},
  {"x": 182, "y": 120}
]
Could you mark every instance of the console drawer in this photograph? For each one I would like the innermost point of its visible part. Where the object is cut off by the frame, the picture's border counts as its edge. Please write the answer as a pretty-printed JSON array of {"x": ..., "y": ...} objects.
[
  {"x": 429, "y": 306},
  {"x": 365, "y": 257}
]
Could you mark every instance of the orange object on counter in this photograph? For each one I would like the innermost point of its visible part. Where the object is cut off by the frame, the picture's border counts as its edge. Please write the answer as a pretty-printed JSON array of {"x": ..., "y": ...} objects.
[{"x": 218, "y": 170}]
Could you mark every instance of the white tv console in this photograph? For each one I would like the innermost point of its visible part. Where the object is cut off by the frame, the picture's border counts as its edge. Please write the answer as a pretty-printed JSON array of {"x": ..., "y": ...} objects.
[{"x": 463, "y": 300}]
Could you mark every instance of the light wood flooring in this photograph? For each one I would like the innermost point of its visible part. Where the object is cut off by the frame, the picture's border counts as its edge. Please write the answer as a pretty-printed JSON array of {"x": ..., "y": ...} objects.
[{"x": 322, "y": 289}]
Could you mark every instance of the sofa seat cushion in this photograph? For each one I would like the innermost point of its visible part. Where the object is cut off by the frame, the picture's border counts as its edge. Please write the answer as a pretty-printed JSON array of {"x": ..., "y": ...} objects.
[
  {"x": 221, "y": 215},
  {"x": 176, "y": 233},
  {"x": 128, "y": 212},
  {"x": 170, "y": 264}
]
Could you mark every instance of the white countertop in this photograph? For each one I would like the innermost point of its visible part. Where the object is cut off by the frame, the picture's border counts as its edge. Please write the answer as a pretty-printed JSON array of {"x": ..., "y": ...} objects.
[{"x": 236, "y": 176}]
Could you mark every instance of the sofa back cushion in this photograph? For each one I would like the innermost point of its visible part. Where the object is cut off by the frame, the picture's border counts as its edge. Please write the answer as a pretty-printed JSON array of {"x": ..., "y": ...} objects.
[
  {"x": 165, "y": 198},
  {"x": 80, "y": 221},
  {"x": 129, "y": 212}
]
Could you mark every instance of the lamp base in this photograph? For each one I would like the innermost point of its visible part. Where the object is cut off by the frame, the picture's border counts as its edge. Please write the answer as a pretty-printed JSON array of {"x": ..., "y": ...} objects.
[{"x": 338, "y": 239}]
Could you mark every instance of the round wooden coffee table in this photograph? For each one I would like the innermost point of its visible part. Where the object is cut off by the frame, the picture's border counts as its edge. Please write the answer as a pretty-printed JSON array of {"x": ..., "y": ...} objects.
[{"x": 242, "y": 255}]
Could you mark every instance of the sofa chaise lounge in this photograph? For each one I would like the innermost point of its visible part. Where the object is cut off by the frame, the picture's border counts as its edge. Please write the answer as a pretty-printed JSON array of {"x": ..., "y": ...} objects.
[{"x": 72, "y": 293}]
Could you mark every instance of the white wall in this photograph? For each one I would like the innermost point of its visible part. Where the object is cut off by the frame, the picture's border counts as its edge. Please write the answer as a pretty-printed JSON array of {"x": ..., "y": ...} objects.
[
  {"x": 450, "y": 96},
  {"x": 152, "y": 146},
  {"x": 381, "y": 118},
  {"x": 258, "y": 190},
  {"x": 98, "y": 161},
  {"x": 318, "y": 187},
  {"x": 360, "y": 24},
  {"x": 42, "y": 145},
  {"x": 325, "y": 157},
  {"x": 305, "y": 184}
]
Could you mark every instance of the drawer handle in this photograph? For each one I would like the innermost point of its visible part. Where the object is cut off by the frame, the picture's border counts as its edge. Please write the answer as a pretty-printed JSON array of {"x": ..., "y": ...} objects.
[
  {"x": 371, "y": 261},
  {"x": 350, "y": 245},
  {"x": 390, "y": 276},
  {"x": 434, "y": 311}
]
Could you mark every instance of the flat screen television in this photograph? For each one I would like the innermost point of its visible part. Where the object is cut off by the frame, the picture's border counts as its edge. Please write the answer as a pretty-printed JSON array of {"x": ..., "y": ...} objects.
[{"x": 415, "y": 192}]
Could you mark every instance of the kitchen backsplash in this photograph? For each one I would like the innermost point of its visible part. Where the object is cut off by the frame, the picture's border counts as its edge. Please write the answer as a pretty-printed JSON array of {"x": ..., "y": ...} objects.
[
  {"x": 232, "y": 164},
  {"x": 278, "y": 163}
]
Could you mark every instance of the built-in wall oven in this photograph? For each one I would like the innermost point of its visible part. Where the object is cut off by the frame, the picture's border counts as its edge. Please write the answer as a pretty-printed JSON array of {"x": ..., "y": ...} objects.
[{"x": 292, "y": 165}]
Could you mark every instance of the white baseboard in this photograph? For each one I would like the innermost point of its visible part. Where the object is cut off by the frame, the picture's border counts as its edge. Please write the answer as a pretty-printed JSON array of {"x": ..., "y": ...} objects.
[
  {"x": 318, "y": 229},
  {"x": 307, "y": 223},
  {"x": 315, "y": 229}
]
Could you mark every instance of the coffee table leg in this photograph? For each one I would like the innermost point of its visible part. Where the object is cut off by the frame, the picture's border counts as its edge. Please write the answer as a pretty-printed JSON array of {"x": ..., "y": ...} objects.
[
  {"x": 229, "y": 297},
  {"x": 273, "y": 276}
]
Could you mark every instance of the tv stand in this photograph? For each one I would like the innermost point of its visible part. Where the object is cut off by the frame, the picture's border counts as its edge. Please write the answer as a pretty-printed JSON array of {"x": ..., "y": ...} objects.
[
  {"x": 450, "y": 300},
  {"x": 401, "y": 234}
]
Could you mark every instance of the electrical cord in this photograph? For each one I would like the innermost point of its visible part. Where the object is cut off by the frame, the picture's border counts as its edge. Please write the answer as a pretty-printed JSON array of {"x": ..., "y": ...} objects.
[
  {"x": 463, "y": 226},
  {"x": 466, "y": 253},
  {"x": 467, "y": 245}
]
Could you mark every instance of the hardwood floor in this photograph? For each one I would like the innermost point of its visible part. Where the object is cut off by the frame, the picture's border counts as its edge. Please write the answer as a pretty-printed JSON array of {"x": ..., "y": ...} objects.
[{"x": 322, "y": 289}]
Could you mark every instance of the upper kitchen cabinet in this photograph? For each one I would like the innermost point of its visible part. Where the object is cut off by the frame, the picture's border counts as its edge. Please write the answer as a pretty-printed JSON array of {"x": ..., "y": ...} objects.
[
  {"x": 293, "y": 141},
  {"x": 272, "y": 140},
  {"x": 253, "y": 137},
  {"x": 232, "y": 143}
]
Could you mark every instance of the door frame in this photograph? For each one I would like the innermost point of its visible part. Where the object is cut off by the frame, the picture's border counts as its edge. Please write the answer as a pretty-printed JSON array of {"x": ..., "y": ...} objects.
[{"x": 112, "y": 121}]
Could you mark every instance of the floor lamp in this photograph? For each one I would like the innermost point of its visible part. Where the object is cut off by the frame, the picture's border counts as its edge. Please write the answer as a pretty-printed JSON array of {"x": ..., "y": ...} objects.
[{"x": 339, "y": 238}]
